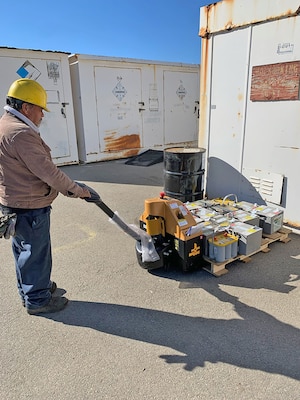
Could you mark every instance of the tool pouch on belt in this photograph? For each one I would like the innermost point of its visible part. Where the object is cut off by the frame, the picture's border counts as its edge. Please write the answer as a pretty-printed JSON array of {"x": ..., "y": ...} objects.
[{"x": 7, "y": 225}]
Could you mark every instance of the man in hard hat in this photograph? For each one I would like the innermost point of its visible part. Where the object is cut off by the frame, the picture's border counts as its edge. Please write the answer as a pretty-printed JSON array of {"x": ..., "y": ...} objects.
[{"x": 29, "y": 182}]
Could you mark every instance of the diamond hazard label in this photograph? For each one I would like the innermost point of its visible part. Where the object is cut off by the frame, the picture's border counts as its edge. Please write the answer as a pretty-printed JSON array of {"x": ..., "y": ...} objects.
[
  {"x": 119, "y": 91},
  {"x": 28, "y": 70},
  {"x": 181, "y": 91}
]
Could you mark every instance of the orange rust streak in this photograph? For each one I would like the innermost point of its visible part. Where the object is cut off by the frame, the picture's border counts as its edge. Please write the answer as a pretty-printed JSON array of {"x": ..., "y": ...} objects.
[
  {"x": 131, "y": 153},
  {"x": 123, "y": 142},
  {"x": 203, "y": 32},
  {"x": 292, "y": 224},
  {"x": 225, "y": 10}
]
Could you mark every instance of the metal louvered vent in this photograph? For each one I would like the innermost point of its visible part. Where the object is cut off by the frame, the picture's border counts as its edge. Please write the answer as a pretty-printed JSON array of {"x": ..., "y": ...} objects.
[{"x": 268, "y": 184}]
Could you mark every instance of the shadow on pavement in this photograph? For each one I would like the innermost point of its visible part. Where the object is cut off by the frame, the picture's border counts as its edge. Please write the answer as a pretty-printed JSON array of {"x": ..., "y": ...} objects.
[
  {"x": 253, "y": 340},
  {"x": 274, "y": 271},
  {"x": 256, "y": 340}
]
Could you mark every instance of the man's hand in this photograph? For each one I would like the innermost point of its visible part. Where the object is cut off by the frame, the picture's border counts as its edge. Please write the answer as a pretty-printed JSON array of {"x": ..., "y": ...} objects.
[{"x": 94, "y": 196}]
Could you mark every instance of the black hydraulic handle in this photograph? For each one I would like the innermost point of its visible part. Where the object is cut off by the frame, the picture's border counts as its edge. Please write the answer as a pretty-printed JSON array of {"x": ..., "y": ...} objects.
[
  {"x": 148, "y": 248},
  {"x": 95, "y": 198},
  {"x": 104, "y": 208}
]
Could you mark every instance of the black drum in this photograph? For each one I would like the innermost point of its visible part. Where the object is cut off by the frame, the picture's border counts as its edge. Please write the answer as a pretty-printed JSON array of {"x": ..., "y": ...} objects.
[{"x": 184, "y": 173}]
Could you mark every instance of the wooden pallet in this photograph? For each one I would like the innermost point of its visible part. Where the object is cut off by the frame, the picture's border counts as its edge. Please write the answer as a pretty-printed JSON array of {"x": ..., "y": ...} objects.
[{"x": 219, "y": 269}]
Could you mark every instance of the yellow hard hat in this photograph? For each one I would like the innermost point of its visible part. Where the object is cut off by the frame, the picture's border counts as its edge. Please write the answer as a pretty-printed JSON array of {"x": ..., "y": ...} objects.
[{"x": 29, "y": 91}]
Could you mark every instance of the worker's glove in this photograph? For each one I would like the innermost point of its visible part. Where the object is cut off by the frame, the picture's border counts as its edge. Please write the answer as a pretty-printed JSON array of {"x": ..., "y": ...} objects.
[
  {"x": 94, "y": 195},
  {"x": 7, "y": 225}
]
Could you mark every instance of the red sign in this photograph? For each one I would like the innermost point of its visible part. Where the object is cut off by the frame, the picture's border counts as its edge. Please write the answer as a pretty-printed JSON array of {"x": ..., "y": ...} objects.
[{"x": 275, "y": 82}]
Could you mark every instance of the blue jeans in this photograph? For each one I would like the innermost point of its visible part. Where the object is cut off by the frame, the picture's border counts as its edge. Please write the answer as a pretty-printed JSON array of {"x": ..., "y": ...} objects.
[{"x": 31, "y": 247}]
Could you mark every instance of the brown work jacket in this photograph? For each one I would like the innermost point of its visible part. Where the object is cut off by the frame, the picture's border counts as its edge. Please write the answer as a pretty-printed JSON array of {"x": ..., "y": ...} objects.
[{"x": 28, "y": 177}]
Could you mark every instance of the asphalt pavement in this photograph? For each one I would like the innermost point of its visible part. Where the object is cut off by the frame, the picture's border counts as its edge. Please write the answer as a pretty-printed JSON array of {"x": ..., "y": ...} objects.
[{"x": 132, "y": 334}]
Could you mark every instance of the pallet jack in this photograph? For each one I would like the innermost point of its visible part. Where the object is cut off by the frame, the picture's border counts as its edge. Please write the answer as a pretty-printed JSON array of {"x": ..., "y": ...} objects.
[
  {"x": 165, "y": 237},
  {"x": 175, "y": 235}
]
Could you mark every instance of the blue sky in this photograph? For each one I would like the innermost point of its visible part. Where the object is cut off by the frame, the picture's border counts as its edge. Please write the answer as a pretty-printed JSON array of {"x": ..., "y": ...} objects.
[{"x": 162, "y": 30}]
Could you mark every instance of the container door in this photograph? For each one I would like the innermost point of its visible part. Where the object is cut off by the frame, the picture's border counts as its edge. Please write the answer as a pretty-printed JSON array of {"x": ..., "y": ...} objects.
[
  {"x": 181, "y": 100},
  {"x": 227, "y": 112},
  {"x": 54, "y": 128},
  {"x": 118, "y": 97},
  {"x": 229, "y": 75},
  {"x": 272, "y": 140}
]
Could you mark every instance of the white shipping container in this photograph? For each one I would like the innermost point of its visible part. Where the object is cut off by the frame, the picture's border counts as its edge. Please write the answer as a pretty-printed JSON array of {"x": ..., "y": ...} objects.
[
  {"x": 51, "y": 70},
  {"x": 125, "y": 106},
  {"x": 249, "y": 101}
]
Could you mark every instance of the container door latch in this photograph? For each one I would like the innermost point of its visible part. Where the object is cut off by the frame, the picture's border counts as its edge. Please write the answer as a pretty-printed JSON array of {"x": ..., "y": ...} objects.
[{"x": 62, "y": 110}]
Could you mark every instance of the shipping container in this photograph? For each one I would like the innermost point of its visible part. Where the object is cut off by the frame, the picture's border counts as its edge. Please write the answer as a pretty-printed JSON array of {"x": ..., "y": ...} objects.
[
  {"x": 125, "y": 106},
  {"x": 51, "y": 70},
  {"x": 249, "y": 102}
]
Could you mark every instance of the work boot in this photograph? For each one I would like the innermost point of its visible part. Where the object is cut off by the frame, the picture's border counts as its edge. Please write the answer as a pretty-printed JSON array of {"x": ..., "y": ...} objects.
[
  {"x": 55, "y": 304},
  {"x": 52, "y": 290}
]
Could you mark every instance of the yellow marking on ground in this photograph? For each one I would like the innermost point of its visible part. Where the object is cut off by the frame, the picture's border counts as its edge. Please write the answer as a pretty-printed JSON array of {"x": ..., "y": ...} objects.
[{"x": 90, "y": 235}]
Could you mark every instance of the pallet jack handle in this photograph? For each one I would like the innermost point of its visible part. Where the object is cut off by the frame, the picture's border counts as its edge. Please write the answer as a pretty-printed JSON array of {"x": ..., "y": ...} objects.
[{"x": 148, "y": 249}]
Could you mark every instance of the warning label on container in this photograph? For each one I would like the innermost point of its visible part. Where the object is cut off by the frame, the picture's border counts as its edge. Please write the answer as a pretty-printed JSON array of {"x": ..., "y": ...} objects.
[
  {"x": 29, "y": 71},
  {"x": 119, "y": 91},
  {"x": 181, "y": 91},
  {"x": 53, "y": 70}
]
